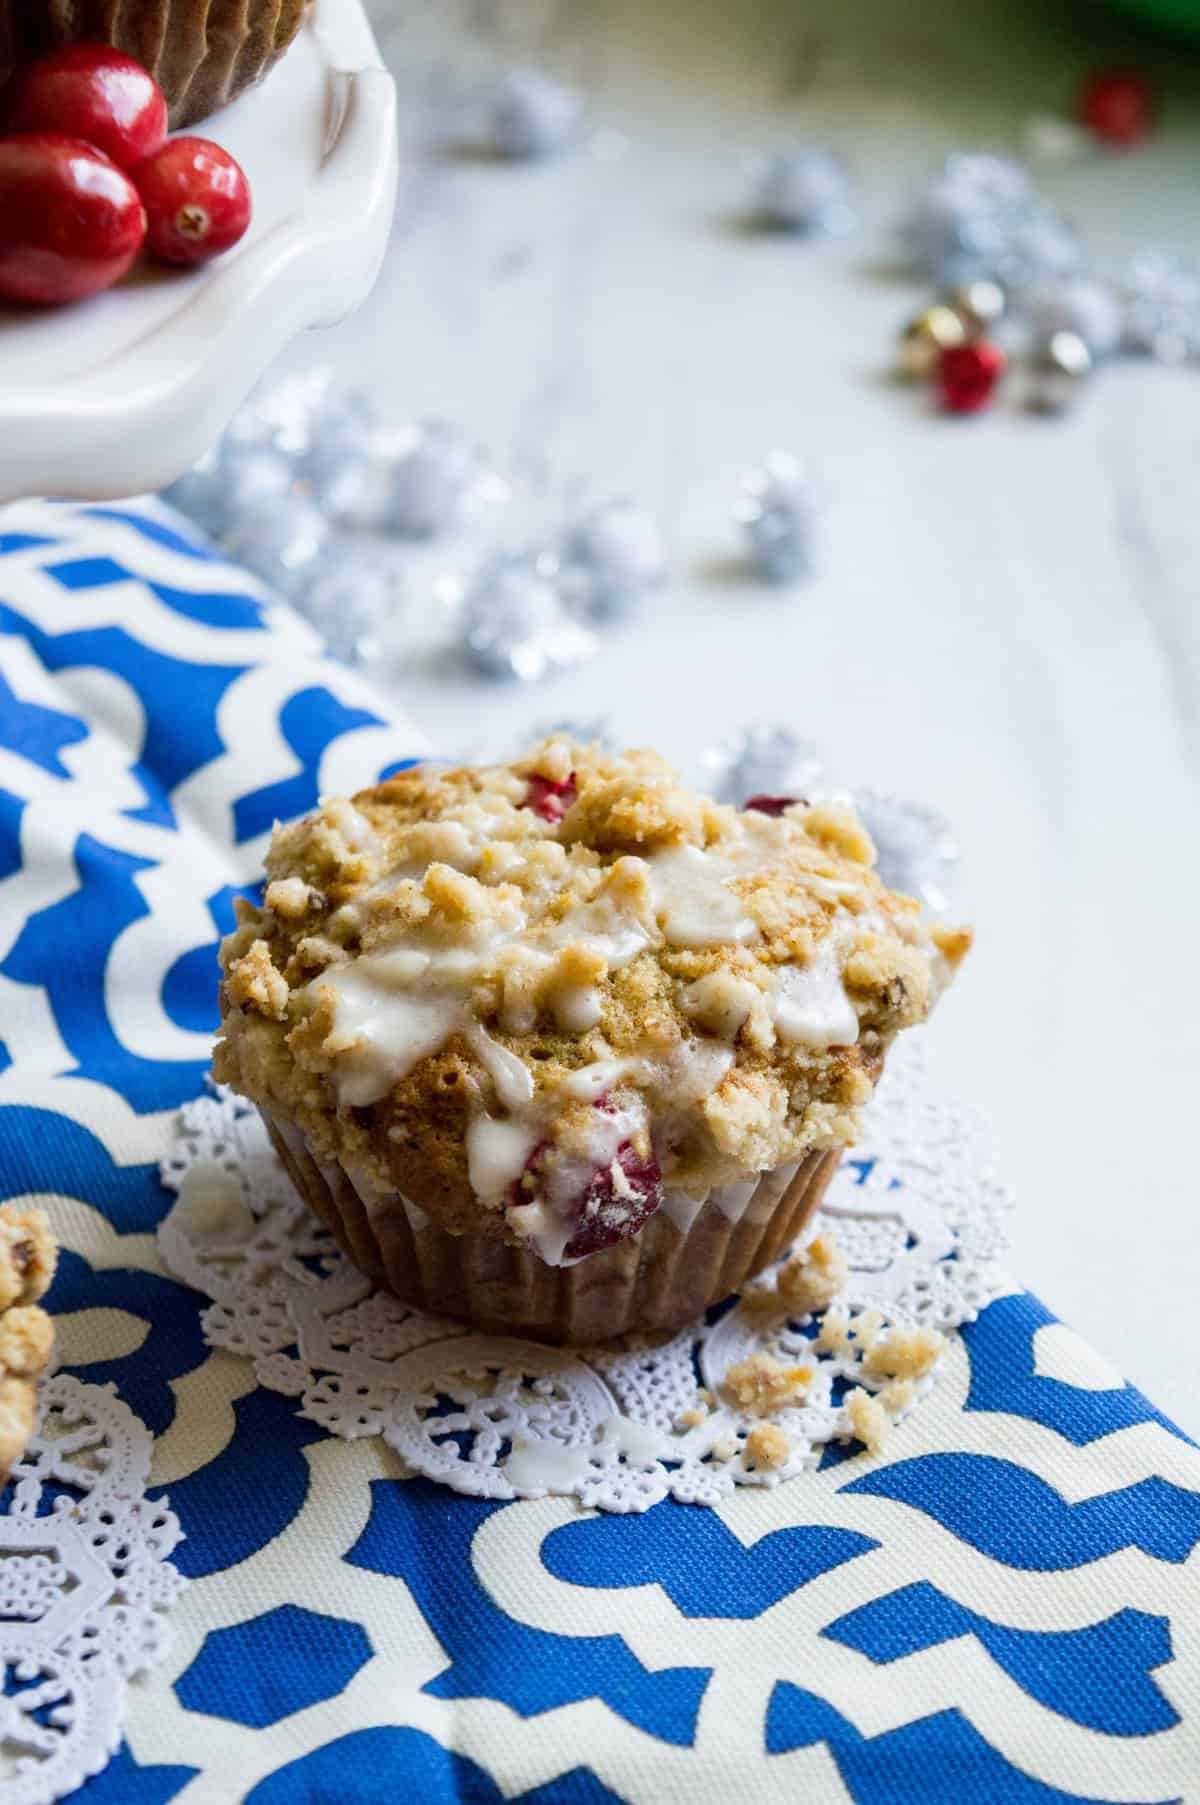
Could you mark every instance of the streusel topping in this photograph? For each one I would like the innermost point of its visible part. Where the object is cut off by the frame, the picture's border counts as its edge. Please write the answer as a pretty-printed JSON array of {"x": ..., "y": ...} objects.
[{"x": 536, "y": 997}]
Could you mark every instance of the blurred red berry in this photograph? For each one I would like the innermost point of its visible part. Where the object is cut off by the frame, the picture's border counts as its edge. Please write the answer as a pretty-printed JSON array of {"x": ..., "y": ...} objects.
[
  {"x": 1118, "y": 107},
  {"x": 967, "y": 375},
  {"x": 197, "y": 200}
]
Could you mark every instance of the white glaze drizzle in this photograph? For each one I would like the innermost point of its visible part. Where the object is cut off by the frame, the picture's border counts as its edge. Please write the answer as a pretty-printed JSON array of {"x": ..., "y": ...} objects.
[
  {"x": 511, "y": 1077},
  {"x": 603, "y": 929},
  {"x": 380, "y": 1033},
  {"x": 497, "y": 1152},
  {"x": 681, "y": 1209},
  {"x": 547, "y": 1466},
  {"x": 694, "y": 905},
  {"x": 591, "y": 1081},
  {"x": 811, "y": 1005}
]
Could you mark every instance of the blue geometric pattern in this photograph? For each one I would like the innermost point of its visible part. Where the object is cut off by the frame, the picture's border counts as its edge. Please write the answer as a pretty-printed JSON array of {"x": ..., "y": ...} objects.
[
  {"x": 708, "y": 1572},
  {"x": 261, "y": 1671},
  {"x": 1058, "y": 1667},
  {"x": 996, "y": 1609},
  {"x": 1010, "y": 1514},
  {"x": 939, "y": 1760}
]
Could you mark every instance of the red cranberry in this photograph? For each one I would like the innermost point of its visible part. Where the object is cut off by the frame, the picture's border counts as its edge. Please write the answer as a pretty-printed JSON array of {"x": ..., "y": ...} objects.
[
  {"x": 71, "y": 222},
  {"x": 197, "y": 200},
  {"x": 967, "y": 375},
  {"x": 605, "y": 1210},
  {"x": 1118, "y": 107},
  {"x": 549, "y": 798},
  {"x": 608, "y": 1213},
  {"x": 96, "y": 93},
  {"x": 769, "y": 805}
]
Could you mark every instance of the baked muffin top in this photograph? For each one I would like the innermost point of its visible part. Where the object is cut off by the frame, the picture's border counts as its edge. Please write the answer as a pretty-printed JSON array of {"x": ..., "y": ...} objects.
[{"x": 532, "y": 996}]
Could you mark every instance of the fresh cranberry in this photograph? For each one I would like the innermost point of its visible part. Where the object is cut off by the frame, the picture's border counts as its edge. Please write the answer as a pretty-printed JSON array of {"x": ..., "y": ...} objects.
[
  {"x": 967, "y": 375},
  {"x": 1118, "y": 107},
  {"x": 95, "y": 93},
  {"x": 604, "y": 1211},
  {"x": 197, "y": 200},
  {"x": 769, "y": 805},
  {"x": 71, "y": 222},
  {"x": 549, "y": 798}
]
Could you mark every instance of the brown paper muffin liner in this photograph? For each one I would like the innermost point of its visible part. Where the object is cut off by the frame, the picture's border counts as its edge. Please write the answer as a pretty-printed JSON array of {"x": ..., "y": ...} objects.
[
  {"x": 659, "y": 1279},
  {"x": 202, "y": 52}
]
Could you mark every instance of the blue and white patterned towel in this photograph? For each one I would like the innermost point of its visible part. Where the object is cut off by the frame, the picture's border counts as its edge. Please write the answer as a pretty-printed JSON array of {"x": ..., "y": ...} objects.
[{"x": 1002, "y": 1606}]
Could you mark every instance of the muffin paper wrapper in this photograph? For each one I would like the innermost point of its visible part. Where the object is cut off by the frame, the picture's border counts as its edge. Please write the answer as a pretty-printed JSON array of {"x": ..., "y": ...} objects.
[{"x": 658, "y": 1279}]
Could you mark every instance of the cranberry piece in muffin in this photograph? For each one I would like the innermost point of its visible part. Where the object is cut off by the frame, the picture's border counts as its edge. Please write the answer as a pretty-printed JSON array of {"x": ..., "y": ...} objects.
[
  {"x": 550, "y": 799},
  {"x": 770, "y": 805}
]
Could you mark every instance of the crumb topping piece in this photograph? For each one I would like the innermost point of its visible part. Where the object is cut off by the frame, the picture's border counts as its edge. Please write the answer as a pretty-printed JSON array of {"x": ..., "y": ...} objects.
[
  {"x": 905, "y": 1353},
  {"x": 767, "y": 1446},
  {"x": 760, "y": 1384},
  {"x": 460, "y": 970}
]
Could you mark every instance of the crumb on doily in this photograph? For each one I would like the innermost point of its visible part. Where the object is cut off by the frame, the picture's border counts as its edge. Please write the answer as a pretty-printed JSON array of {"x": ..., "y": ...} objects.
[
  {"x": 723, "y": 1448},
  {"x": 692, "y": 1416},
  {"x": 767, "y": 1446},
  {"x": 864, "y": 1328},
  {"x": 868, "y": 1419},
  {"x": 898, "y": 1397},
  {"x": 833, "y": 1336},
  {"x": 760, "y": 1384},
  {"x": 905, "y": 1353},
  {"x": 814, "y": 1277},
  {"x": 704, "y": 1396}
]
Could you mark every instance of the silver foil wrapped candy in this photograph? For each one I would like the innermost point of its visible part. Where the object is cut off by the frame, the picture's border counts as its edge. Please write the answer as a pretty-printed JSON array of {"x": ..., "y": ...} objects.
[
  {"x": 527, "y": 114},
  {"x": 278, "y": 540},
  {"x": 609, "y": 560},
  {"x": 1161, "y": 297},
  {"x": 434, "y": 471},
  {"x": 804, "y": 189},
  {"x": 762, "y": 761},
  {"x": 980, "y": 216},
  {"x": 234, "y": 475},
  {"x": 512, "y": 622},
  {"x": 1058, "y": 368},
  {"x": 1080, "y": 305},
  {"x": 917, "y": 853},
  {"x": 351, "y": 594},
  {"x": 776, "y": 512}
]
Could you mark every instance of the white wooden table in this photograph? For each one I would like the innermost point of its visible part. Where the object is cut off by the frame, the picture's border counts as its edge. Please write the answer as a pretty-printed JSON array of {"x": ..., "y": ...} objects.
[{"x": 1005, "y": 621}]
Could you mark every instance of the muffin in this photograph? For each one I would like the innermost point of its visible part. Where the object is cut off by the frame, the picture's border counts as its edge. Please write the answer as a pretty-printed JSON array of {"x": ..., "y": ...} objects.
[
  {"x": 27, "y": 1260},
  {"x": 561, "y": 1048},
  {"x": 201, "y": 52}
]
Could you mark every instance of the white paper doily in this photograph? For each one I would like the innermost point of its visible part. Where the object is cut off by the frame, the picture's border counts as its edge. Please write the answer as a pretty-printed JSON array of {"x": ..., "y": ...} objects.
[
  {"x": 85, "y": 1584},
  {"x": 915, "y": 1210}
]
